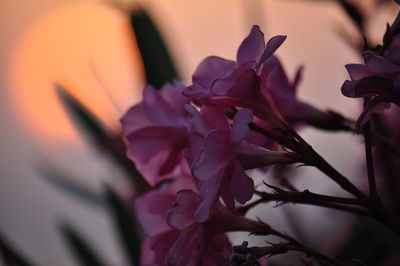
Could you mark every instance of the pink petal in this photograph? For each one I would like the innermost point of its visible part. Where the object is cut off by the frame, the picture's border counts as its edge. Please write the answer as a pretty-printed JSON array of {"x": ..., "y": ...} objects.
[
  {"x": 172, "y": 94},
  {"x": 272, "y": 45},
  {"x": 216, "y": 118},
  {"x": 240, "y": 126},
  {"x": 242, "y": 186},
  {"x": 145, "y": 143},
  {"x": 213, "y": 156},
  {"x": 357, "y": 71},
  {"x": 209, "y": 191},
  {"x": 158, "y": 109},
  {"x": 252, "y": 156},
  {"x": 379, "y": 64},
  {"x": 151, "y": 209},
  {"x": 186, "y": 250},
  {"x": 181, "y": 215},
  {"x": 134, "y": 119},
  {"x": 210, "y": 69},
  {"x": 161, "y": 245},
  {"x": 251, "y": 47}
]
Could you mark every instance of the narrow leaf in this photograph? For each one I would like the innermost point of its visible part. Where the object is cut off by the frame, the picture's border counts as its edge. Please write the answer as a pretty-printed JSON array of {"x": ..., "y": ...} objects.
[
  {"x": 126, "y": 226},
  {"x": 97, "y": 133},
  {"x": 80, "y": 248},
  {"x": 67, "y": 185},
  {"x": 157, "y": 62},
  {"x": 10, "y": 255},
  {"x": 84, "y": 119}
]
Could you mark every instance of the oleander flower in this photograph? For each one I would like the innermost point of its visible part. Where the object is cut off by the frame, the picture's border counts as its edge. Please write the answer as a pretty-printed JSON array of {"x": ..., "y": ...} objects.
[
  {"x": 155, "y": 132},
  {"x": 228, "y": 83},
  {"x": 177, "y": 238},
  {"x": 256, "y": 81},
  {"x": 218, "y": 154},
  {"x": 378, "y": 80}
]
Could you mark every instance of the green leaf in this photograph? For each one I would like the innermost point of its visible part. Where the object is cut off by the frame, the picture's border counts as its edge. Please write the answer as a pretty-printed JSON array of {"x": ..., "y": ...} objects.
[
  {"x": 126, "y": 225},
  {"x": 157, "y": 62},
  {"x": 67, "y": 185},
  {"x": 10, "y": 256},
  {"x": 80, "y": 248}
]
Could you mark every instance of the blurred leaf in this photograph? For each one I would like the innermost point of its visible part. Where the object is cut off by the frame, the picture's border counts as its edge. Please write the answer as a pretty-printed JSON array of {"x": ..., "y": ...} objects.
[
  {"x": 157, "y": 62},
  {"x": 10, "y": 256},
  {"x": 354, "y": 13},
  {"x": 80, "y": 248},
  {"x": 126, "y": 225},
  {"x": 112, "y": 144},
  {"x": 66, "y": 184},
  {"x": 84, "y": 119}
]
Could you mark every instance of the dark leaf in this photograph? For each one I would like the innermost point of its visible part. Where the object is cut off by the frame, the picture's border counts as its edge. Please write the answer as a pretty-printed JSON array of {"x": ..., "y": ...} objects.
[
  {"x": 97, "y": 133},
  {"x": 80, "y": 248},
  {"x": 66, "y": 184},
  {"x": 157, "y": 62},
  {"x": 10, "y": 256},
  {"x": 126, "y": 226},
  {"x": 84, "y": 119},
  {"x": 354, "y": 13}
]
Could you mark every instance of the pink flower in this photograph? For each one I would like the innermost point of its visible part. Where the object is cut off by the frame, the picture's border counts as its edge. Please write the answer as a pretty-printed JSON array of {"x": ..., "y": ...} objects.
[
  {"x": 218, "y": 155},
  {"x": 378, "y": 79},
  {"x": 184, "y": 241},
  {"x": 257, "y": 81},
  {"x": 224, "y": 82},
  {"x": 155, "y": 132}
]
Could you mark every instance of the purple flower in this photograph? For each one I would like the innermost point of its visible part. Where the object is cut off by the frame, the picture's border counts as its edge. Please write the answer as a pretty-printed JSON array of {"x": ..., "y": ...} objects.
[
  {"x": 256, "y": 81},
  {"x": 218, "y": 154},
  {"x": 177, "y": 238},
  {"x": 155, "y": 132},
  {"x": 378, "y": 80}
]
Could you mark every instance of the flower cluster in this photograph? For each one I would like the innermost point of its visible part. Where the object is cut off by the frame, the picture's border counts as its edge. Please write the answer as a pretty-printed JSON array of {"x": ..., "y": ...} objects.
[
  {"x": 377, "y": 80},
  {"x": 182, "y": 138}
]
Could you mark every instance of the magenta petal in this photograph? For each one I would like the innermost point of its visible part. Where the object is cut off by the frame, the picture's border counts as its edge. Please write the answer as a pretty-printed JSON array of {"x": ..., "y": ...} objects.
[
  {"x": 216, "y": 118},
  {"x": 357, "y": 71},
  {"x": 158, "y": 110},
  {"x": 379, "y": 64},
  {"x": 186, "y": 250},
  {"x": 252, "y": 156},
  {"x": 145, "y": 143},
  {"x": 197, "y": 123},
  {"x": 251, "y": 47},
  {"x": 242, "y": 186},
  {"x": 273, "y": 44},
  {"x": 172, "y": 94},
  {"x": 181, "y": 215},
  {"x": 240, "y": 126},
  {"x": 161, "y": 245},
  {"x": 209, "y": 191},
  {"x": 150, "y": 210},
  {"x": 210, "y": 69},
  {"x": 134, "y": 119},
  {"x": 213, "y": 156}
]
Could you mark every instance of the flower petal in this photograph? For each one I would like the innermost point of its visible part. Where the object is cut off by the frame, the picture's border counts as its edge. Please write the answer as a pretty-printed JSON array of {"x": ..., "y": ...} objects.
[
  {"x": 181, "y": 215},
  {"x": 210, "y": 69},
  {"x": 240, "y": 126},
  {"x": 251, "y": 47},
  {"x": 242, "y": 186},
  {"x": 272, "y": 45}
]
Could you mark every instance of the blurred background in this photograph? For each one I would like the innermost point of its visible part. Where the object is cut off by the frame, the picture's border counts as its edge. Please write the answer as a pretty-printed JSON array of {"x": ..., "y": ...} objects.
[{"x": 89, "y": 47}]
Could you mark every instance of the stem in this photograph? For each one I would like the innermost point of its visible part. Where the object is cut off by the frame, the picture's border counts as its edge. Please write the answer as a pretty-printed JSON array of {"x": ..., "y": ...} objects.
[
  {"x": 373, "y": 192},
  {"x": 289, "y": 138},
  {"x": 301, "y": 198}
]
